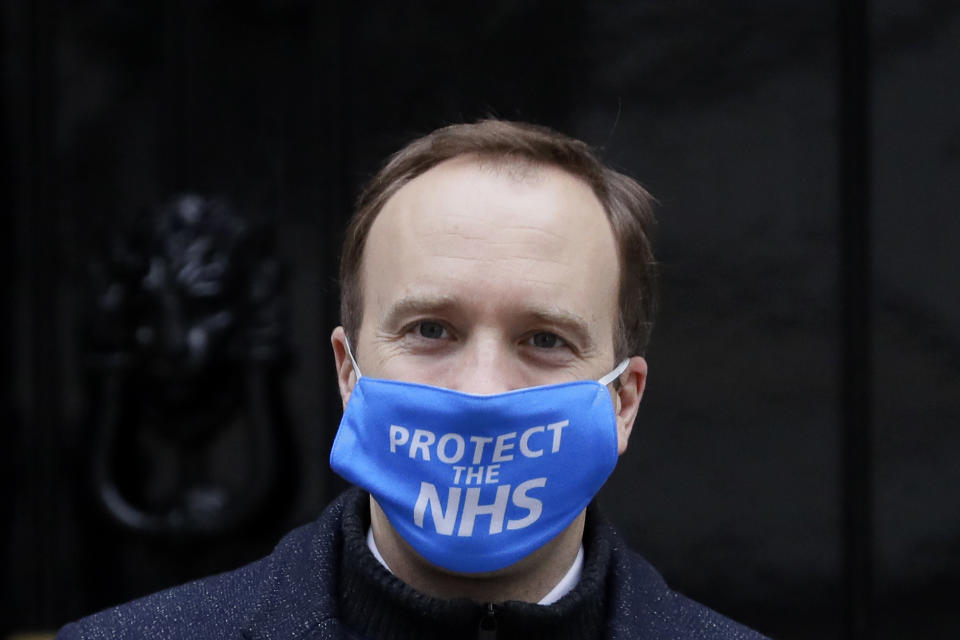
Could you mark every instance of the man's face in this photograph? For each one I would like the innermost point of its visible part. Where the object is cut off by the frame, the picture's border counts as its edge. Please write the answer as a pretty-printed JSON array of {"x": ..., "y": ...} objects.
[{"x": 485, "y": 278}]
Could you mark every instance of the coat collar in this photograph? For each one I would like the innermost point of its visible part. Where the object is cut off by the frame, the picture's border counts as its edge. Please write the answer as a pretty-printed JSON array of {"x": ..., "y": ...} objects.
[{"x": 297, "y": 595}]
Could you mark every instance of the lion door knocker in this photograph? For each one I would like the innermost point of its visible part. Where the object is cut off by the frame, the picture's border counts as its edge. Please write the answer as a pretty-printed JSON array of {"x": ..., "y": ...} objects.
[{"x": 185, "y": 345}]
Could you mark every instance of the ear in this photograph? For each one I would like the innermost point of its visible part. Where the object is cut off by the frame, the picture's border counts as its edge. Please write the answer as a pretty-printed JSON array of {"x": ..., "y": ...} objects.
[
  {"x": 346, "y": 374},
  {"x": 632, "y": 383}
]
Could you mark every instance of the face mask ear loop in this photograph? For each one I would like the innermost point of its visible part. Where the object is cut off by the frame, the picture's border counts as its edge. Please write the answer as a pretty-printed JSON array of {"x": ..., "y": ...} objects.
[
  {"x": 353, "y": 361},
  {"x": 607, "y": 379}
]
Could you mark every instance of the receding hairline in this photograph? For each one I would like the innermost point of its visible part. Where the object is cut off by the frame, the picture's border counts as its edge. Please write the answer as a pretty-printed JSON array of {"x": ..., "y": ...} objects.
[
  {"x": 521, "y": 149},
  {"x": 523, "y": 170},
  {"x": 515, "y": 166}
]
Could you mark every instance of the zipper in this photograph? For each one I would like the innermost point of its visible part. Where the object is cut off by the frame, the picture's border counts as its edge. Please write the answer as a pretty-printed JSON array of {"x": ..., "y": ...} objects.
[{"x": 488, "y": 624}]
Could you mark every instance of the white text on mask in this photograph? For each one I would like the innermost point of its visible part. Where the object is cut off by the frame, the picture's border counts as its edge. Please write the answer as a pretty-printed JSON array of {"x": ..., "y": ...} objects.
[{"x": 450, "y": 448}]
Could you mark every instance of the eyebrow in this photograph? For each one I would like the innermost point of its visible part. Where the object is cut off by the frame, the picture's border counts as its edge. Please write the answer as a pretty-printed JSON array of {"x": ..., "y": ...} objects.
[
  {"x": 565, "y": 321},
  {"x": 416, "y": 305},
  {"x": 569, "y": 323}
]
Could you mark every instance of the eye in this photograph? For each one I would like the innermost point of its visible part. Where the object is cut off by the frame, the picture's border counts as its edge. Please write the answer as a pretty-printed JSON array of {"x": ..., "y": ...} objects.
[
  {"x": 545, "y": 340},
  {"x": 430, "y": 330}
]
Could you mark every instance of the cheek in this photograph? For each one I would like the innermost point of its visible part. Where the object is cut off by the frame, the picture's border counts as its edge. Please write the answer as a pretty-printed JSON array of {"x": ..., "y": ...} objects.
[
  {"x": 397, "y": 369},
  {"x": 390, "y": 360}
]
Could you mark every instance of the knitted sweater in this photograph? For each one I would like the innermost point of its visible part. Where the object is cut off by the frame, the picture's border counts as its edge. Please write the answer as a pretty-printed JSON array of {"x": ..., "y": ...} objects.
[{"x": 322, "y": 582}]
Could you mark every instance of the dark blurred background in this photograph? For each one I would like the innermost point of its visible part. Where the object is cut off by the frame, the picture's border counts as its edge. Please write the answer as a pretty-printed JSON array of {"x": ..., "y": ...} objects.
[{"x": 171, "y": 401}]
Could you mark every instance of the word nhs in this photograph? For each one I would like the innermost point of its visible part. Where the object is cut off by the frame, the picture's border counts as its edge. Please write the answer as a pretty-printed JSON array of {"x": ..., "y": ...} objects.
[{"x": 445, "y": 518}]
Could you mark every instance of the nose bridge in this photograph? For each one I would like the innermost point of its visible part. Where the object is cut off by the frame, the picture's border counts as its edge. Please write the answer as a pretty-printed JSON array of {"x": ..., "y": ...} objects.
[{"x": 486, "y": 365}]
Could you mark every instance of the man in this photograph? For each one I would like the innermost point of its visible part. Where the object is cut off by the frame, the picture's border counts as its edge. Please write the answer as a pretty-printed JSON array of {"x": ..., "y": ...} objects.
[{"x": 497, "y": 297}]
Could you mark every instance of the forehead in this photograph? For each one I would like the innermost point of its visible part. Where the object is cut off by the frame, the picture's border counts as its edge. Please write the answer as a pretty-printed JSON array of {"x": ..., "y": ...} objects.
[{"x": 496, "y": 234}]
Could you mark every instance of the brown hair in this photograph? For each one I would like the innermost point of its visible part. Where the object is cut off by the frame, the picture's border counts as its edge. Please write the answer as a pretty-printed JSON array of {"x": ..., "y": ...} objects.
[{"x": 628, "y": 206}]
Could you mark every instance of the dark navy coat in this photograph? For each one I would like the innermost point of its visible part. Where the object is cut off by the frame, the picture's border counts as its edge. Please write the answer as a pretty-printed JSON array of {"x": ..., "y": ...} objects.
[{"x": 292, "y": 594}]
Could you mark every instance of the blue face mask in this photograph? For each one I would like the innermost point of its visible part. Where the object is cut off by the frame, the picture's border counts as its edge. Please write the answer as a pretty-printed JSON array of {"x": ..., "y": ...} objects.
[{"x": 474, "y": 483}]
